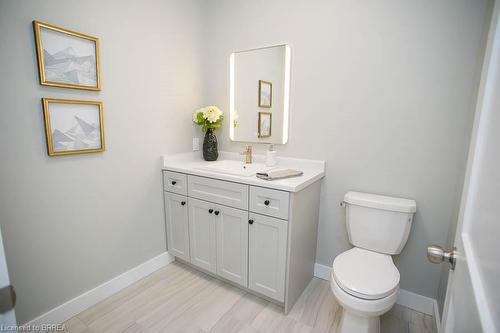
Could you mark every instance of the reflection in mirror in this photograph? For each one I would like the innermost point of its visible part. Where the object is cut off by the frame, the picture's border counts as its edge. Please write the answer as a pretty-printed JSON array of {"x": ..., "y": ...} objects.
[{"x": 259, "y": 95}]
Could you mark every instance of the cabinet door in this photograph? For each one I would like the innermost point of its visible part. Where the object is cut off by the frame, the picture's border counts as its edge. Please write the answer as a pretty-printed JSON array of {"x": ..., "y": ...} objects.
[
  {"x": 176, "y": 219},
  {"x": 202, "y": 234},
  {"x": 267, "y": 255},
  {"x": 232, "y": 244}
]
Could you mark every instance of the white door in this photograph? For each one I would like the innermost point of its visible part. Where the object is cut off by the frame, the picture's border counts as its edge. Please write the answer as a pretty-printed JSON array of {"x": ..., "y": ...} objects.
[
  {"x": 7, "y": 315},
  {"x": 176, "y": 219},
  {"x": 202, "y": 236},
  {"x": 232, "y": 244},
  {"x": 267, "y": 238},
  {"x": 473, "y": 296}
]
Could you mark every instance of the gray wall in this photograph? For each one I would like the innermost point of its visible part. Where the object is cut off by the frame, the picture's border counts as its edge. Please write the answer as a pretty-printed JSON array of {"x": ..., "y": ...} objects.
[
  {"x": 71, "y": 223},
  {"x": 384, "y": 91}
]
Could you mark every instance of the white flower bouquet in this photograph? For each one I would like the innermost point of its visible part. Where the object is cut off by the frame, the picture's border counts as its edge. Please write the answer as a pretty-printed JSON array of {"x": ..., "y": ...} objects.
[{"x": 209, "y": 117}]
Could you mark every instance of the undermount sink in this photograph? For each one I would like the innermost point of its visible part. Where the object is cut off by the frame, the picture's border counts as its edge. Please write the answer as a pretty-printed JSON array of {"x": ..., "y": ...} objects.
[{"x": 232, "y": 167}]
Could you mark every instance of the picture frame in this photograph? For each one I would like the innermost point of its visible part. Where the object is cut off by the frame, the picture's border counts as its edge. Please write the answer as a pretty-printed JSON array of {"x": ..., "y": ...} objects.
[
  {"x": 265, "y": 124},
  {"x": 265, "y": 94},
  {"x": 73, "y": 126},
  {"x": 67, "y": 59}
]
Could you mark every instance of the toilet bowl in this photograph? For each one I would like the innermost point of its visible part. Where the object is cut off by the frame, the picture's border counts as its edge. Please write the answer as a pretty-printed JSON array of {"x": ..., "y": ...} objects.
[
  {"x": 364, "y": 279},
  {"x": 354, "y": 281}
]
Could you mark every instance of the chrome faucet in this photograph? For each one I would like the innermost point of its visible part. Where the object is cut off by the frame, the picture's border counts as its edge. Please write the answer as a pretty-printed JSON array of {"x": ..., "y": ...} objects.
[{"x": 247, "y": 152}]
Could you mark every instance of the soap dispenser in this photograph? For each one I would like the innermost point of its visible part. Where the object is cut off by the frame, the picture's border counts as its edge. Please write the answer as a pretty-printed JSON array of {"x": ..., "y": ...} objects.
[{"x": 271, "y": 156}]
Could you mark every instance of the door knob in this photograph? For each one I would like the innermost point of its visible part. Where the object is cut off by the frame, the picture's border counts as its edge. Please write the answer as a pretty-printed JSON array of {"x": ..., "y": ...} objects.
[
  {"x": 210, "y": 211},
  {"x": 183, "y": 203},
  {"x": 267, "y": 202},
  {"x": 437, "y": 255},
  {"x": 7, "y": 299},
  {"x": 173, "y": 182},
  {"x": 250, "y": 221},
  {"x": 216, "y": 212}
]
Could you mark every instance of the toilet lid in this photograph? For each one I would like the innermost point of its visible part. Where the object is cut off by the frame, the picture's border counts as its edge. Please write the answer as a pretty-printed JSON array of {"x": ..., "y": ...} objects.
[{"x": 365, "y": 274}]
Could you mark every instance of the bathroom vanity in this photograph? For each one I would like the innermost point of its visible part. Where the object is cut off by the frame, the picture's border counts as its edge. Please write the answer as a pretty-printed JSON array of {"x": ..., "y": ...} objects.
[
  {"x": 258, "y": 235},
  {"x": 220, "y": 218}
]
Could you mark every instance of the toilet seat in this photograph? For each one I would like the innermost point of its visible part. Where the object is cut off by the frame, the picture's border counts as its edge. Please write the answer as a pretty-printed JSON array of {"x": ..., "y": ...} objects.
[
  {"x": 360, "y": 306},
  {"x": 365, "y": 274}
]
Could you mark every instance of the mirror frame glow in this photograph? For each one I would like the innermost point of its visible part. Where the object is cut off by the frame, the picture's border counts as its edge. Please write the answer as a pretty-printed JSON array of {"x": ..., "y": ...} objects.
[{"x": 286, "y": 95}]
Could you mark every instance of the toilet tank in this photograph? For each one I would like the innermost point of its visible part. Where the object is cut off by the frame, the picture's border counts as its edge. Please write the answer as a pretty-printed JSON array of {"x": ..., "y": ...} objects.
[{"x": 378, "y": 223}]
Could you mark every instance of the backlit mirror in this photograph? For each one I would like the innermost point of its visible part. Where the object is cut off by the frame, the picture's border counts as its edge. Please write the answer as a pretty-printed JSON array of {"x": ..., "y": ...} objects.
[{"x": 259, "y": 95}]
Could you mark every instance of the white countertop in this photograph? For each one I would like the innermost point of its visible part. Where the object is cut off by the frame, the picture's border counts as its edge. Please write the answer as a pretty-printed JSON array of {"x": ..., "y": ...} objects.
[{"x": 190, "y": 163}]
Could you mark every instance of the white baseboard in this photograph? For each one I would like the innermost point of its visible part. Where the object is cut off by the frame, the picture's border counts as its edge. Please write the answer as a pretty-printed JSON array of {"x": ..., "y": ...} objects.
[
  {"x": 80, "y": 303},
  {"x": 322, "y": 271},
  {"x": 406, "y": 298},
  {"x": 416, "y": 302}
]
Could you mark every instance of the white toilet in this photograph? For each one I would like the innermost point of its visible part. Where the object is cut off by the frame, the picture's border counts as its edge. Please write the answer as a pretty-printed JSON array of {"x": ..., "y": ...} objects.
[{"x": 364, "y": 279}]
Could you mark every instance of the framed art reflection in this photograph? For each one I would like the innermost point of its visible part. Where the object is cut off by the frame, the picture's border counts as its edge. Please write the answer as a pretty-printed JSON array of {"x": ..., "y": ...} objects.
[
  {"x": 265, "y": 94},
  {"x": 265, "y": 122}
]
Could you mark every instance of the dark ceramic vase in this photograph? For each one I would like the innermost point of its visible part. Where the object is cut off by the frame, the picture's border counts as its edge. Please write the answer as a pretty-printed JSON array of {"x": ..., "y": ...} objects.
[{"x": 210, "y": 152}]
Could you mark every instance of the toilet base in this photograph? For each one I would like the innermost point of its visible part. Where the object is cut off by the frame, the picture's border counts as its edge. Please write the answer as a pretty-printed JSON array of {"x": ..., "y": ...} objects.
[{"x": 353, "y": 323}]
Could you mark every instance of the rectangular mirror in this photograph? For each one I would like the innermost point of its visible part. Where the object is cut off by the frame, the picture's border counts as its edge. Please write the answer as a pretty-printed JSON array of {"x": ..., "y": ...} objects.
[{"x": 259, "y": 95}]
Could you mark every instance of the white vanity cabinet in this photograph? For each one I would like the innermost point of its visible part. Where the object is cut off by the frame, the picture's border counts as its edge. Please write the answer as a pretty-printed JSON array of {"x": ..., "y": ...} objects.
[
  {"x": 244, "y": 231},
  {"x": 232, "y": 244},
  {"x": 202, "y": 238},
  {"x": 176, "y": 218},
  {"x": 267, "y": 238}
]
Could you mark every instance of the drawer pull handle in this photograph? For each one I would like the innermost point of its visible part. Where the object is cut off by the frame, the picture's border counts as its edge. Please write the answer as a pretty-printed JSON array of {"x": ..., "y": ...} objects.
[
  {"x": 210, "y": 211},
  {"x": 173, "y": 182},
  {"x": 250, "y": 221},
  {"x": 216, "y": 212},
  {"x": 183, "y": 203},
  {"x": 267, "y": 202}
]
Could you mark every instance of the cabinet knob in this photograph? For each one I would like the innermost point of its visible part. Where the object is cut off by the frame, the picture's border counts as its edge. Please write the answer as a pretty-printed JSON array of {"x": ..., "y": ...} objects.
[
  {"x": 183, "y": 203},
  {"x": 210, "y": 211},
  {"x": 216, "y": 212},
  {"x": 250, "y": 221},
  {"x": 267, "y": 202},
  {"x": 173, "y": 182}
]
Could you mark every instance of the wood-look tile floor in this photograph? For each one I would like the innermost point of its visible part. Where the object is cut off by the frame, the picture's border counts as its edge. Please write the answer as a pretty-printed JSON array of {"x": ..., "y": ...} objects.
[{"x": 178, "y": 298}]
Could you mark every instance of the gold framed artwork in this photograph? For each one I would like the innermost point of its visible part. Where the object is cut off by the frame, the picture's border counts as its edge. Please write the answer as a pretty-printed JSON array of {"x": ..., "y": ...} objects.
[
  {"x": 265, "y": 94},
  {"x": 73, "y": 126},
  {"x": 67, "y": 59},
  {"x": 265, "y": 123}
]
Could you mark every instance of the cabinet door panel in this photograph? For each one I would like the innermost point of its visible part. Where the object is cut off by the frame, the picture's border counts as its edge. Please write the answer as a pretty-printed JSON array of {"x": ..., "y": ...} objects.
[
  {"x": 267, "y": 256},
  {"x": 232, "y": 244},
  {"x": 202, "y": 235},
  {"x": 176, "y": 219}
]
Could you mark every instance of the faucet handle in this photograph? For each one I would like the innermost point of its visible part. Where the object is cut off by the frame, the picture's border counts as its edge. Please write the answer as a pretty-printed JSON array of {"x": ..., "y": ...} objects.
[{"x": 247, "y": 150}]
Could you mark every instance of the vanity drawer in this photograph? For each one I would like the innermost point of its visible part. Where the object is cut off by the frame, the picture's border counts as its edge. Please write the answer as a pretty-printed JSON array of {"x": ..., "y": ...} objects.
[
  {"x": 218, "y": 191},
  {"x": 269, "y": 202},
  {"x": 175, "y": 182}
]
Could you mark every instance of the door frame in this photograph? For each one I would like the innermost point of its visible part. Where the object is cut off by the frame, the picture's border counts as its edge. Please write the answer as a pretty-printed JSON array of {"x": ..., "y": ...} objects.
[{"x": 8, "y": 318}]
